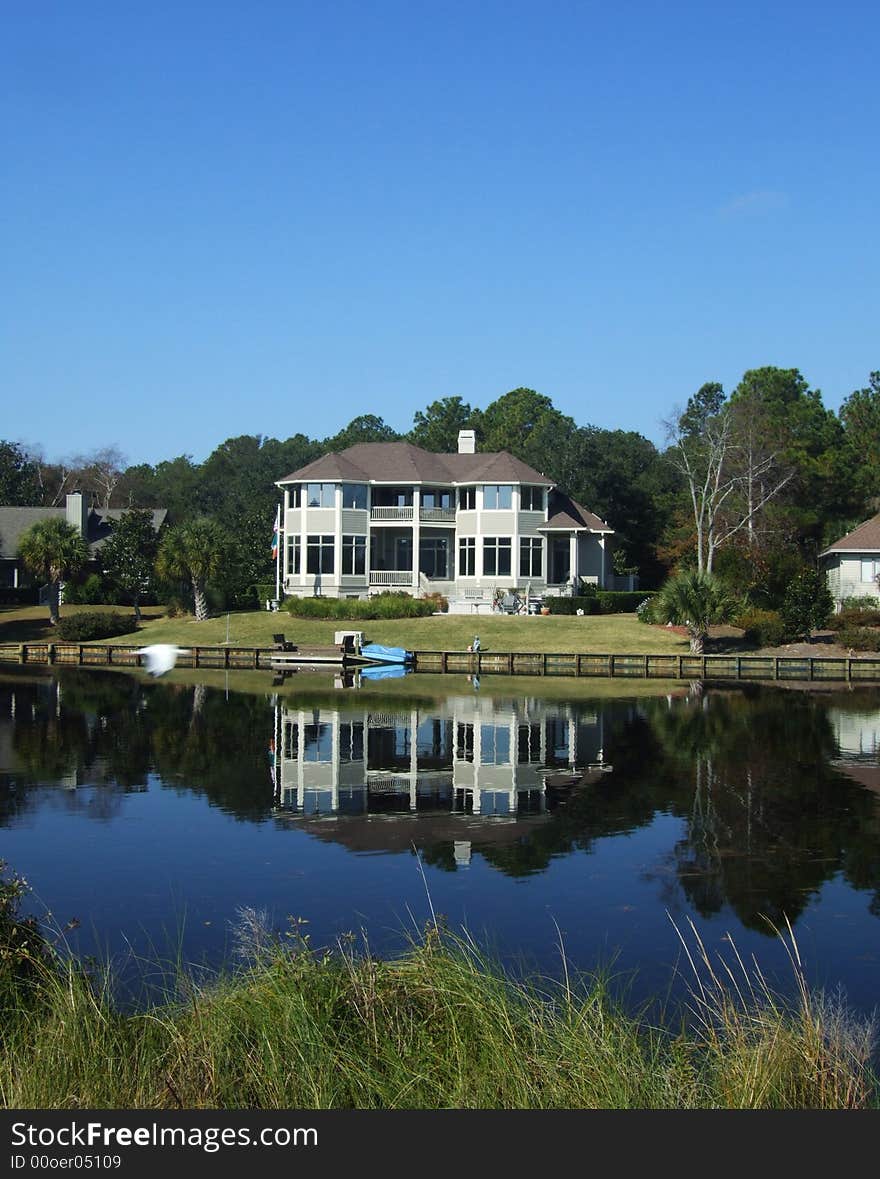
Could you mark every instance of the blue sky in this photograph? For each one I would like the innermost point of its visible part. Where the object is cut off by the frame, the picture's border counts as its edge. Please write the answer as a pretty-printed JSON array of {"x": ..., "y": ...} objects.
[{"x": 225, "y": 218}]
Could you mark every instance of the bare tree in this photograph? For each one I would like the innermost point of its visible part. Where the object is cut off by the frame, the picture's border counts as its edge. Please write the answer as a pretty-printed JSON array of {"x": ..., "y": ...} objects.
[{"x": 730, "y": 477}]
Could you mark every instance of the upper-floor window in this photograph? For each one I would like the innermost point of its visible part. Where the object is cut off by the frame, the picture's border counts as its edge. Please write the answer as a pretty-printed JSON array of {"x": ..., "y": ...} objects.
[
  {"x": 433, "y": 497},
  {"x": 467, "y": 499},
  {"x": 321, "y": 495},
  {"x": 354, "y": 495},
  {"x": 531, "y": 499},
  {"x": 497, "y": 495},
  {"x": 294, "y": 495}
]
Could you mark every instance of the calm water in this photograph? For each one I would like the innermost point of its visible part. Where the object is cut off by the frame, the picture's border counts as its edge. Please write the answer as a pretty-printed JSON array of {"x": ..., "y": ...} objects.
[{"x": 154, "y": 812}]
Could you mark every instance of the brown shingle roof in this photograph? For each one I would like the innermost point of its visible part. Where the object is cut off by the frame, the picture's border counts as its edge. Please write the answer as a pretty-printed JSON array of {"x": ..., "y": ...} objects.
[
  {"x": 402, "y": 462},
  {"x": 566, "y": 513},
  {"x": 865, "y": 538}
]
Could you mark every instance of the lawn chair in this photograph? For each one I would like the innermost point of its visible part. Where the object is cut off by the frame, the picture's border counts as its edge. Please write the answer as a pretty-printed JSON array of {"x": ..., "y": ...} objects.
[{"x": 282, "y": 644}]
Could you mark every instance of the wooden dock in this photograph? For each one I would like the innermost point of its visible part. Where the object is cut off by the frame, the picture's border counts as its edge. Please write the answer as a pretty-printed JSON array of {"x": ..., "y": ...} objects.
[{"x": 517, "y": 663}]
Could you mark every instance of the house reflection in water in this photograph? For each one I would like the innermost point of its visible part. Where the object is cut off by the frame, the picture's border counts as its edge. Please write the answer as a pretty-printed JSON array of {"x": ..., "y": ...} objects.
[
  {"x": 857, "y": 732},
  {"x": 466, "y": 754}
]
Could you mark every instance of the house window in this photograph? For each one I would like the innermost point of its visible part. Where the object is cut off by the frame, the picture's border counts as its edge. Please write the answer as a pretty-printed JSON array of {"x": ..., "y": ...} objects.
[
  {"x": 531, "y": 499},
  {"x": 531, "y": 562},
  {"x": 496, "y": 556},
  {"x": 467, "y": 556},
  {"x": 321, "y": 495},
  {"x": 433, "y": 497},
  {"x": 319, "y": 554},
  {"x": 464, "y": 742},
  {"x": 494, "y": 745},
  {"x": 294, "y": 555},
  {"x": 870, "y": 568},
  {"x": 318, "y": 743},
  {"x": 294, "y": 496},
  {"x": 354, "y": 555},
  {"x": 467, "y": 499},
  {"x": 497, "y": 495},
  {"x": 354, "y": 495}
]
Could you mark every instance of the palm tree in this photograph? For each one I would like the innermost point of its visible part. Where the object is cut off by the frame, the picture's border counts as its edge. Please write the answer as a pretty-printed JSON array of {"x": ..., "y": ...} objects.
[
  {"x": 198, "y": 551},
  {"x": 53, "y": 550},
  {"x": 695, "y": 600}
]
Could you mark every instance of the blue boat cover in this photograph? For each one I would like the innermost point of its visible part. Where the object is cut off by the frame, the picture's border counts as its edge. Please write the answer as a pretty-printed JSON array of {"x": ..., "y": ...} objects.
[{"x": 382, "y": 654}]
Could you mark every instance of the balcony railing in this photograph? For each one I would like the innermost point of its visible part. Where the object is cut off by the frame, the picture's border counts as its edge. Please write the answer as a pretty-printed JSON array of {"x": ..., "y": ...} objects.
[
  {"x": 437, "y": 515},
  {"x": 395, "y": 513},
  {"x": 391, "y": 577}
]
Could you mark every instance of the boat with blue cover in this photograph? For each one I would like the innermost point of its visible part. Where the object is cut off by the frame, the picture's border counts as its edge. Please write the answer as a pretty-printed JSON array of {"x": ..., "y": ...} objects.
[{"x": 378, "y": 653}]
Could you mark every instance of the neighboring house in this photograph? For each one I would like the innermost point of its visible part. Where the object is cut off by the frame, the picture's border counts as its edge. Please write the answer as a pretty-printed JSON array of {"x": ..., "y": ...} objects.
[
  {"x": 852, "y": 563},
  {"x": 389, "y": 515},
  {"x": 92, "y": 523}
]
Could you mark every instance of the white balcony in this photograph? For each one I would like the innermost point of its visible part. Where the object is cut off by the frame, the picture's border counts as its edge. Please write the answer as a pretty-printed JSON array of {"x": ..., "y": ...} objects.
[
  {"x": 381, "y": 514},
  {"x": 437, "y": 515},
  {"x": 391, "y": 577}
]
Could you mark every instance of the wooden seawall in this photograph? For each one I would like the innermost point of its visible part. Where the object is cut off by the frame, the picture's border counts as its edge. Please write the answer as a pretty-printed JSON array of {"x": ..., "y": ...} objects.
[{"x": 546, "y": 663}]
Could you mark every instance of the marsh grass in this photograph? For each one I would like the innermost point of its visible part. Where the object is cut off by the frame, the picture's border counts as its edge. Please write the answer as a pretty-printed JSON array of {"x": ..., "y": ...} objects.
[{"x": 442, "y": 1026}]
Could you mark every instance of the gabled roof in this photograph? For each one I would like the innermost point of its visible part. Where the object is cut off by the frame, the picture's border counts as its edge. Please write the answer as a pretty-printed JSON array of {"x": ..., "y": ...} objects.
[
  {"x": 402, "y": 462},
  {"x": 864, "y": 539},
  {"x": 566, "y": 514},
  {"x": 14, "y": 522}
]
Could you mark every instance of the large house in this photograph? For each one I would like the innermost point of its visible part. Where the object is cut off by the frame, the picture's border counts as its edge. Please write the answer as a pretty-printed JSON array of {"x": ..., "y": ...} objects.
[
  {"x": 852, "y": 564},
  {"x": 389, "y": 515},
  {"x": 94, "y": 524}
]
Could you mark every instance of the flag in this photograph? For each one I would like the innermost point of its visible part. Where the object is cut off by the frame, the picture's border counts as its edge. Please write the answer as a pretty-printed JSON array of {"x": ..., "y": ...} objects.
[{"x": 276, "y": 533}]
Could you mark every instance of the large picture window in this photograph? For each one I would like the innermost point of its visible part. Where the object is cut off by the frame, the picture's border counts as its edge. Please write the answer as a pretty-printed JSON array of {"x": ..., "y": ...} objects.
[
  {"x": 319, "y": 554},
  {"x": 467, "y": 556},
  {"x": 294, "y": 554},
  {"x": 496, "y": 556},
  {"x": 354, "y": 555},
  {"x": 531, "y": 562},
  {"x": 497, "y": 495},
  {"x": 354, "y": 495},
  {"x": 321, "y": 495}
]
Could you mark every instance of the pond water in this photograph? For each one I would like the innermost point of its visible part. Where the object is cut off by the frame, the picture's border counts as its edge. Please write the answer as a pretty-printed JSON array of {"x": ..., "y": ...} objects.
[{"x": 530, "y": 813}]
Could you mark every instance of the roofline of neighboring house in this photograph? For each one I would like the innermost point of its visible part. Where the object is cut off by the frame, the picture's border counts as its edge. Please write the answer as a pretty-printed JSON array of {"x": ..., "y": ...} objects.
[{"x": 858, "y": 549}]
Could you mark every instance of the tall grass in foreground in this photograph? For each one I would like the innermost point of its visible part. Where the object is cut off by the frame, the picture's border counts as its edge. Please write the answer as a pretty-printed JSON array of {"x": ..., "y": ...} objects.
[{"x": 439, "y": 1027}]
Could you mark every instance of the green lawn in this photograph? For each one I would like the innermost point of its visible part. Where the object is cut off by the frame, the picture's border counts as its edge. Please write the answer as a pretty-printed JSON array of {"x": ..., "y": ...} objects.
[{"x": 602, "y": 634}]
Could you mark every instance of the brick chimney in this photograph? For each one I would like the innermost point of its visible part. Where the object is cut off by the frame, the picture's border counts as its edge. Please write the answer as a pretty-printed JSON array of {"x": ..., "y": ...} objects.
[{"x": 467, "y": 442}]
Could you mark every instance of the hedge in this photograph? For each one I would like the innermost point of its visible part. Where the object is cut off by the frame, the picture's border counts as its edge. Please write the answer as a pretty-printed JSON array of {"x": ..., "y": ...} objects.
[
  {"x": 104, "y": 624},
  {"x": 600, "y": 602},
  {"x": 847, "y": 619},
  {"x": 763, "y": 628},
  {"x": 860, "y": 638},
  {"x": 385, "y": 605}
]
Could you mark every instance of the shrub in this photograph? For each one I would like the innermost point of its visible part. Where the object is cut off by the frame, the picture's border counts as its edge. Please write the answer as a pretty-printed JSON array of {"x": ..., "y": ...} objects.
[
  {"x": 646, "y": 613},
  {"x": 763, "y": 628},
  {"x": 860, "y": 638},
  {"x": 850, "y": 617},
  {"x": 807, "y": 603},
  {"x": 90, "y": 593},
  {"x": 438, "y": 601},
  {"x": 105, "y": 624},
  {"x": 382, "y": 606},
  {"x": 589, "y": 605},
  {"x": 860, "y": 604},
  {"x": 621, "y": 601}
]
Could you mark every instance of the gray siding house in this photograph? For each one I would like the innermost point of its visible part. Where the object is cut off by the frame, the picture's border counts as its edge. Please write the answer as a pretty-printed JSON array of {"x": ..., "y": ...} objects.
[
  {"x": 390, "y": 515},
  {"x": 852, "y": 564},
  {"x": 95, "y": 524}
]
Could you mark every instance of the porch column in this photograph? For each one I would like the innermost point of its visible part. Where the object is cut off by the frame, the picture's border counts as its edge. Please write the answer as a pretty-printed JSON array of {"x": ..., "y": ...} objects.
[
  {"x": 602, "y": 547},
  {"x": 417, "y": 506},
  {"x": 573, "y": 558}
]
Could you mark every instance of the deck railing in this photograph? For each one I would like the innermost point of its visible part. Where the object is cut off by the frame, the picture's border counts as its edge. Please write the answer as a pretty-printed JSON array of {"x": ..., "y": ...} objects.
[
  {"x": 395, "y": 513},
  {"x": 391, "y": 577}
]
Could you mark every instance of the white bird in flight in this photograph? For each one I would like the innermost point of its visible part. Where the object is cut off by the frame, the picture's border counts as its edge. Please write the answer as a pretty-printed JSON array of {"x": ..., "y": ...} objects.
[{"x": 161, "y": 657}]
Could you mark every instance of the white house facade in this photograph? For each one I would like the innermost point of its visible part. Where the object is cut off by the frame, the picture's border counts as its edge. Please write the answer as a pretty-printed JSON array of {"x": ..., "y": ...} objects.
[
  {"x": 852, "y": 564},
  {"x": 392, "y": 516}
]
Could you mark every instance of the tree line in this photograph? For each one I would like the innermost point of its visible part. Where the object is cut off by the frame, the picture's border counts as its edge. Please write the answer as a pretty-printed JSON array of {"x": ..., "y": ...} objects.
[{"x": 749, "y": 484}]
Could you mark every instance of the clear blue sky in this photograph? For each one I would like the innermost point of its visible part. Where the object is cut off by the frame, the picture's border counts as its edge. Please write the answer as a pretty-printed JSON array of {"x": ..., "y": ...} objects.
[{"x": 268, "y": 217}]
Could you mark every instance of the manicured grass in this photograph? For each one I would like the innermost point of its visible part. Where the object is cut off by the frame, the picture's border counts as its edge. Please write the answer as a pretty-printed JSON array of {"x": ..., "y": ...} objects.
[
  {"x": 611, "y": 633},
  {"x": 441, "y": 1027}
]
